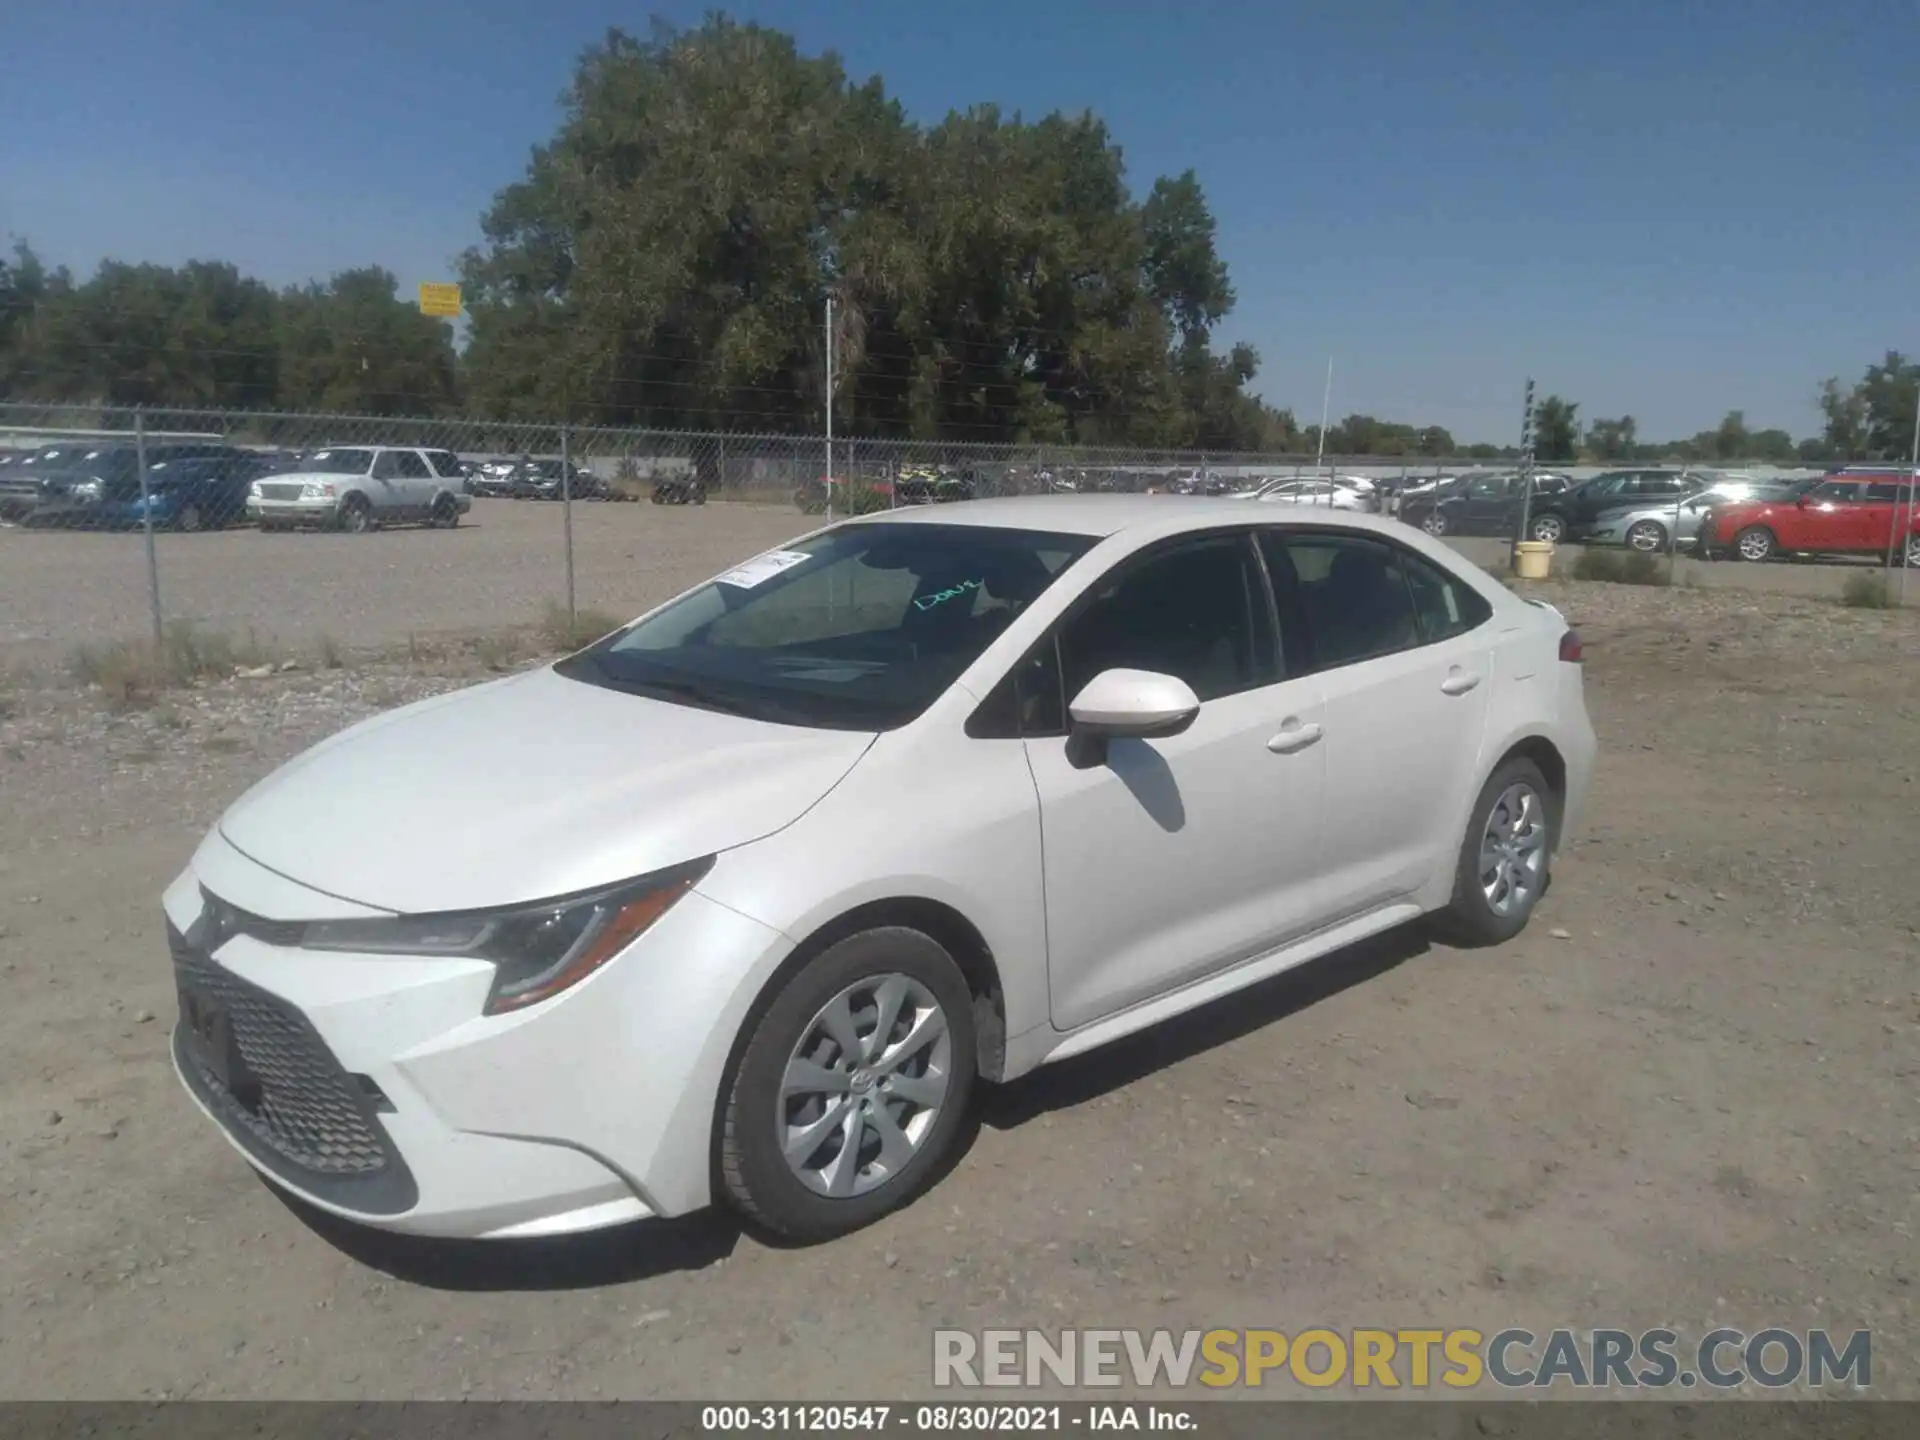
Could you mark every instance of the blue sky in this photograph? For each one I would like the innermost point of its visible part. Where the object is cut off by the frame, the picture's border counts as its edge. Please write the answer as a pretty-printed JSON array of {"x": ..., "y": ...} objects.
[{"x": 1665, "y": 209}]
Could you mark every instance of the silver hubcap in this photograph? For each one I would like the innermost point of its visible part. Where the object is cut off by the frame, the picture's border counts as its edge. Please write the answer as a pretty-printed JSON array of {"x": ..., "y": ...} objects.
[
  {"x": 1513, "y": 850},
  {"x": 1434, "y": 524},
  {"x": 1755, "y": 547},
  {"x": 1548, "y": 529},
  {"x": 1913, "y": 550},
  {"x": 864, "y": 1087},
  {"x": 1646, "y": 536}
]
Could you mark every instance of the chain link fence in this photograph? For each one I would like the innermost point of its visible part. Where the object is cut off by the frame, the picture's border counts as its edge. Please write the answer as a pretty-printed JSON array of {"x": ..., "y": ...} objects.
[{"x": 126, "y": 521}]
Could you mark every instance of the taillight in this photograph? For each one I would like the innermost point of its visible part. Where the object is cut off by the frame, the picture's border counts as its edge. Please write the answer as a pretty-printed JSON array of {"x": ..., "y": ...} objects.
[{"x": 1570, "y": 650}]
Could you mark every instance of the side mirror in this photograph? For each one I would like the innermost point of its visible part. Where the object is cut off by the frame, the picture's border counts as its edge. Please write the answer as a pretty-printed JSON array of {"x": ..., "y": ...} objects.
[
  {"x": 1126, "y": 704},
  {"x": 1801, "y": 503}
]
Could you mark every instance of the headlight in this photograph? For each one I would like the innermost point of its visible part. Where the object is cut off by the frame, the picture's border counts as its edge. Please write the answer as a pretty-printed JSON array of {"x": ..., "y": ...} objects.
[
  {"x": 316, "y": 491},
  {"x": 253, "y": 491},
  {"x": 536, "y": 950},
  {"x": 86, "y": 490}
]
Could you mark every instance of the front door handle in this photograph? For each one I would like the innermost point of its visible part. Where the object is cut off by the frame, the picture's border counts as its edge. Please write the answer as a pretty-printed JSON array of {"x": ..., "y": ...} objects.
[
  {"x": 1294, "y": 736},
  {"x": 1458, "y": 683}
]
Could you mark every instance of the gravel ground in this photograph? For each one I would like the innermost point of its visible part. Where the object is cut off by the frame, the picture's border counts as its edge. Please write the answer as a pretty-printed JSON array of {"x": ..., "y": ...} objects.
[
  {"x": 1684, "y": 1096},
  {"x": 503, "y": 566}
]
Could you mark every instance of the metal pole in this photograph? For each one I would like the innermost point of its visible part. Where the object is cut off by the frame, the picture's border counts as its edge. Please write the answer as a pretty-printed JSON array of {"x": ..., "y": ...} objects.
[
  {"x": 1912, "y": 480},
  {"x": 1326, "y": 401},
  {"x": 829, "y": 409},
  {"x": 146, "y": 524},
  {"x": 566, "y": 506},
  {"x": 1526, "y": 471}
]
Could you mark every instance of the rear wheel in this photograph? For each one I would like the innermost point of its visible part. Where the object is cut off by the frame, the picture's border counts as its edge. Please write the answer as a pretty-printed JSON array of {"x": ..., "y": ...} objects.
[
  {"x": 1756, "y": 542},
  {"x": 1550, "y": 528},
  {"x": 446, "y": 513},
  {"x": 1434, "y": 522},
  {"x": 1648, "y": 536},
  {"x": 1912, "y": 552},
  {"x": 699, "y": 494},
  {"x": 356, "y": 516},
  {"x": 853, "y": 1087},
  {"x": 1505, "y": 857},
  {"x": 188, "y": 518}
]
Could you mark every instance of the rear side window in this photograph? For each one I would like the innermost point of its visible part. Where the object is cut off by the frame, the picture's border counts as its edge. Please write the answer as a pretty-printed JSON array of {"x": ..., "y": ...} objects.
[
  {"x": 1355, "y": 598},
  {"x": 445, "y": 462},
  {"x": 1443, "y": 606}
]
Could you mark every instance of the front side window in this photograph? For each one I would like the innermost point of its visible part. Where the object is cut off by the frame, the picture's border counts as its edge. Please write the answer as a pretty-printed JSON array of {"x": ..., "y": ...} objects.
[
  {"x": 1197, "y": 611},
  {"x": 860, "y": 628},
  {"x": 1837, "y": 492},
  {"x": 409, "y": 466},
  {"x": 338, "y": 462}
]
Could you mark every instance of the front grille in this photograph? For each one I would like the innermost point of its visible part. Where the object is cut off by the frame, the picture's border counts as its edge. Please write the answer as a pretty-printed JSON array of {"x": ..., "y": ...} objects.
[
  {"x": 290, "y": 1097},
  {"x": 280, "y": 492}
]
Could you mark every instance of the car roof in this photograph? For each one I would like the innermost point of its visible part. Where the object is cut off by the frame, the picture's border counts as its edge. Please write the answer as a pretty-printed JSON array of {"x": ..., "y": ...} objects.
[{"x": 1101, "y": 516}]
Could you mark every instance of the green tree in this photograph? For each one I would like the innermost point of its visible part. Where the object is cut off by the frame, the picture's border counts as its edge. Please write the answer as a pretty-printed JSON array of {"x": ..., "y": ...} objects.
[
  {"x": 1873, "y": 419},
  {"x": 1775, "y": 447},
  {"x": 1556, "y": 430},
  {"x": 353, "y": 345},
  {"x": 1614, "y": 440},
  {"x": 1731, "y": 439}
]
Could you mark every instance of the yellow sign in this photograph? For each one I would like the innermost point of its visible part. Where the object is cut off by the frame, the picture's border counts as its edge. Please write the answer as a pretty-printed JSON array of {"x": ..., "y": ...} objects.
[{"x": 439, "y": 299}]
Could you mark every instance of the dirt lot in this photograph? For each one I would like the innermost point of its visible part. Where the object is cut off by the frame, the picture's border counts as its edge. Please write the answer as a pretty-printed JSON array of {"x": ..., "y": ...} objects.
[{"x": 1684, "y": 1096}]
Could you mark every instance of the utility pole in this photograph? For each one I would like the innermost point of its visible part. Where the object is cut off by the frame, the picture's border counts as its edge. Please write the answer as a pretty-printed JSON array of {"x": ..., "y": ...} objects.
[
  {"x": 1912, "y": 479},
  {"x": 1526, "y": 470}
]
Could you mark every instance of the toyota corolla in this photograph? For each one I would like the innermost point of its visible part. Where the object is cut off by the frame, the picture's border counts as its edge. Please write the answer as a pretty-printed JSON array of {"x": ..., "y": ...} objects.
[{"x": 922, "y": 800}]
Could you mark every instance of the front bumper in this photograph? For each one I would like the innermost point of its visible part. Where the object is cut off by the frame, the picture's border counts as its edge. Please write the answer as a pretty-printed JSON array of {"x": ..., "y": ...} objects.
[
  {"x": 323, "y": 510},
  {"x": 373, "y": 1087}
]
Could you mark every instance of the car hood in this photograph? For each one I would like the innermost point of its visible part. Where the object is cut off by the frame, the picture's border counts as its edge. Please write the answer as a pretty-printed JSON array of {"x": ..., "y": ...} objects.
[
  {"x": 526, "y": 788},
  {"x": 305, "y": 477}
]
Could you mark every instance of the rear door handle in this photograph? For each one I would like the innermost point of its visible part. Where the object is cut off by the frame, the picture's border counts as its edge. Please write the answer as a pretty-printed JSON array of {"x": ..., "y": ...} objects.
[
  {"x": 1294, "y": 736},
  {"x": 1458, "y": 683}
]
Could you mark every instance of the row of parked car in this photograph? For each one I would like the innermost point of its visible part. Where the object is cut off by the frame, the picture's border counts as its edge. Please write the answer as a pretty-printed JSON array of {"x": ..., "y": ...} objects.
[
  {"x": 203, "y": 485},
  {"x": 1854, "y": 510}
]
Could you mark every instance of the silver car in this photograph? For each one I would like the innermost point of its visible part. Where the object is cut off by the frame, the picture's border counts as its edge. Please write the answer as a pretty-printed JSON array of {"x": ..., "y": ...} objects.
[{"x": 1652, "y": 527}]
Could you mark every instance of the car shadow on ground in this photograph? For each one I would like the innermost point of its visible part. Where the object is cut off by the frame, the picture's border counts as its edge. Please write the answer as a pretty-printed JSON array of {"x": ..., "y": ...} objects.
[
  {"x": 1073, "y": 1082},
  {"x": 616, "y": 1256}
]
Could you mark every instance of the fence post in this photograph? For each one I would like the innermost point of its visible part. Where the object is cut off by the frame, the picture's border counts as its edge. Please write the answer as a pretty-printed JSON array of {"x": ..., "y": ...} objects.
[
  {"x": 146, "y": 524},
  {"x": 719, "y": 466},
  {"x": 566, "y": 506}
]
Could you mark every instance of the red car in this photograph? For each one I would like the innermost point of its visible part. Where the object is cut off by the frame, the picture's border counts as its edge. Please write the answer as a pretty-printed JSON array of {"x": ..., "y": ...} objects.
[{"x": 1848, "y": 512}]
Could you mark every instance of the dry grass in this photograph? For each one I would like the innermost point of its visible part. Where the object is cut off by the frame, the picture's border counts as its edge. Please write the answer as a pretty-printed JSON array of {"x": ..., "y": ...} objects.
[
  {"x": 571, "y": 632},
  {"x": 1622, "y": 567},
  {"x": 1868, "y": 591},
  {"x": 132, "y": 673}
]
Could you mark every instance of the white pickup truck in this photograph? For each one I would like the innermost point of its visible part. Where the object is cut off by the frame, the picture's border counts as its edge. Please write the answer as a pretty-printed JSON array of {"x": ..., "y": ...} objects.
[{"x": 356, "y": 487}]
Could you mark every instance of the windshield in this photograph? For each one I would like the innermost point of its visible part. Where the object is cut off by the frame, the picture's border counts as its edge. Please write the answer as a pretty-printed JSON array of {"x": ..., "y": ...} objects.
[
  {"x": 860, "y": 628},
  {"x": 338, "y": 462}
]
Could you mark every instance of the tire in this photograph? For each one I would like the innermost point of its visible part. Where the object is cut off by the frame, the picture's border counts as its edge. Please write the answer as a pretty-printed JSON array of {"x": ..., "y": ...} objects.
[
  {"x": 1910, "y": 555},
  {"x": 446, "y": 513},
  {"x": 1474, "y": 916},
  {"x": 187, "y": 519},
  {"x": 356, "y": 516},
  {"x": 1434, "y": 522},
  {"x": 1755, "y": 543},
  {"x": 1647, "y": 536},
  {"x": 763, "y": 1114},
  {"x": 699, "y": 495},
  {"x": 1550, "y": 528}
]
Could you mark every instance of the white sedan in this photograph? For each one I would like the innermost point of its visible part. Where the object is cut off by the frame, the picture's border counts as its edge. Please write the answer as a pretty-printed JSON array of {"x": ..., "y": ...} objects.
[
  {"x": 924, "y": 799},
  {"x": 1325, "y": 493}
]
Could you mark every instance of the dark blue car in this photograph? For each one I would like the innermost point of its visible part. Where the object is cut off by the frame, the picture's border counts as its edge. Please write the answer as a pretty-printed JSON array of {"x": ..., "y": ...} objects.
[{"x": 188, "y": 488}]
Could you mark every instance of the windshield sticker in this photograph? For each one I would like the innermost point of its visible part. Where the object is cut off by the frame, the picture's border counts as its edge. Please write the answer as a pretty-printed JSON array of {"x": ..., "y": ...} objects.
[
  {"x": 952, "y": 592},
  {"x": 762, "y": 568}
]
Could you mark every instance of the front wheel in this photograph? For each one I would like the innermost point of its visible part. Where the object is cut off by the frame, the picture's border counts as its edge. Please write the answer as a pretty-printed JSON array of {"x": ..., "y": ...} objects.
[
  {"x": 188, "y": 519},
  {"x": 1754, "y": 543},
  {"x": 1911, "y": 554},
  {"x": 1648, "y": 536},
  {"x": 853, "y": 1087},
  {"x": 356, "y": 516},
  {"x": 1503, "y": 867},
  {"x": 1550, "y": 528},
  {"x": 1434, "y": 523}
]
